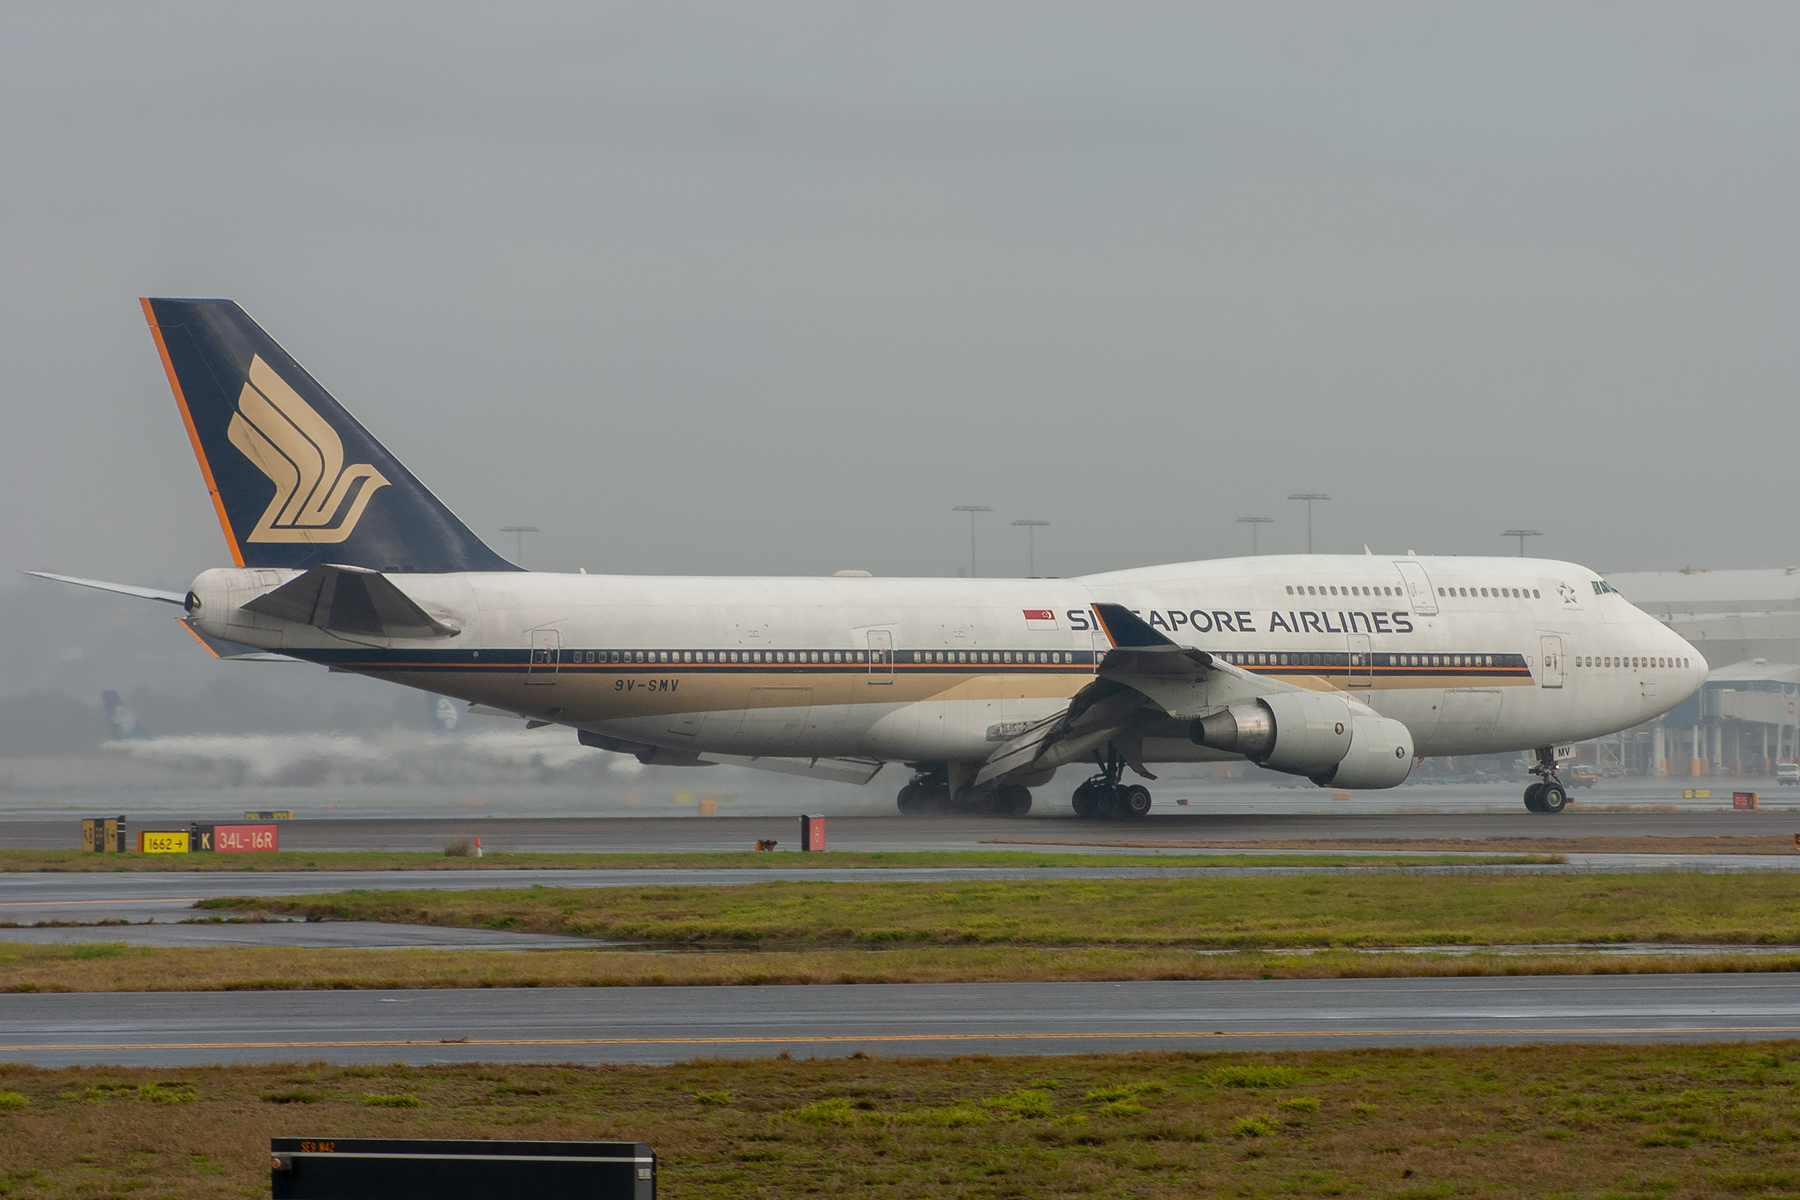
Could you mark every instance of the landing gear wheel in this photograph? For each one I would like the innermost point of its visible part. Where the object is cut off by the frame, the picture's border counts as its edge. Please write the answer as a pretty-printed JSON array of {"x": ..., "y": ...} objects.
[
  {"x": 1105, "y": 795},
  {"x": 1548, "y": 795},
  {"x": 977, "y": 802},
  {"x": 926, "y": 792},
  {"x": 1014, "y": 801}
]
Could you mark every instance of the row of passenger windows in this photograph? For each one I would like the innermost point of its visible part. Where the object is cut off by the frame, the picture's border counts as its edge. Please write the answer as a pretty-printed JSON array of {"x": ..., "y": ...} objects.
[
  {"x": 1608, "y": 660},
  {"x": 1359, "y": 590},
  {"x": 1501, "y": 593},
  {"x": 722, "y": 656},
  {"x": 992, "y": 656},
  {"x": 815, "y": 656},
  {"x": 1380, "y": 660},
  {"x": 1327, "y": 590}
]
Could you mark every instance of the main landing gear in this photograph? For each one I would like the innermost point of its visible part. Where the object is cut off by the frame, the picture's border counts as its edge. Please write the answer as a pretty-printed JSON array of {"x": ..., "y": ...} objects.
[
  {"x": 1104, "y": 795},
  {"x": 929, "y": 792},
  {"x": 1548, "y": 795}
]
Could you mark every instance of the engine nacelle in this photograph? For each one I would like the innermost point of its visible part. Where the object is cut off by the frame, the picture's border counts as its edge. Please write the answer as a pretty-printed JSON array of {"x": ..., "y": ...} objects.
[
  {"x": 1315, "y": 735},
  {"x": 1380, "y": 756},
  {"x": 1301, "y": 733}
]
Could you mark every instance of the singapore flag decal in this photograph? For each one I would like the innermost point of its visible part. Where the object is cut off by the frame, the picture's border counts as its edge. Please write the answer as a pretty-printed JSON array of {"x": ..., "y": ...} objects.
[{"x": 1040, "y": 618}]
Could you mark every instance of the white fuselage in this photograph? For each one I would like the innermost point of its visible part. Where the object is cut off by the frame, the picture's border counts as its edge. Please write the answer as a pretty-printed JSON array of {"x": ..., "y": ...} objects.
[{"x": 1473, "y": 655}]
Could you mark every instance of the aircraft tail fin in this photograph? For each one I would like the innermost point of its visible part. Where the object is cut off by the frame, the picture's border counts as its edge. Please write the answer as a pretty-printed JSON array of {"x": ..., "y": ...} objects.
[
  {"x": 120, "y": 719},
  {"x": 296, "y": 482}
]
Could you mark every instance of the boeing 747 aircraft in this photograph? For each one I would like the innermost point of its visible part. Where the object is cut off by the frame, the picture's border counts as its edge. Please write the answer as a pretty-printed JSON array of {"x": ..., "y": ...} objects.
[{"x": 1344, "y": 670}]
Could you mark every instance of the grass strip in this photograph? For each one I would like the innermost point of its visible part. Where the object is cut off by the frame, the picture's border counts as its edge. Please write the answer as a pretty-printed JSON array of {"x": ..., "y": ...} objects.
[
  {"x": 1383, "y": 909},
  {"x": 1566, "y": 1120},
  {"x": 118, "y": 967},
  {"x": 749, "y": 860}
]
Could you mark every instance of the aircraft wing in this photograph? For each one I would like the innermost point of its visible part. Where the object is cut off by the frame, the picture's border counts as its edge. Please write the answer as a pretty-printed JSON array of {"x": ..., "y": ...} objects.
[{"x": 1145, "y": 679}]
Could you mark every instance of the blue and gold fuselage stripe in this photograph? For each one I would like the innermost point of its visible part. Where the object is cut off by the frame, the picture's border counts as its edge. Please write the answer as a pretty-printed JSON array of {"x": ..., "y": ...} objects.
[{"x": 1463, "y": 669}]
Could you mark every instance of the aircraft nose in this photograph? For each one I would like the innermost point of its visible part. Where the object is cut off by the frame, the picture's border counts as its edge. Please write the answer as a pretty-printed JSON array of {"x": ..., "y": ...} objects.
[{"x": 1696, "y": 671}]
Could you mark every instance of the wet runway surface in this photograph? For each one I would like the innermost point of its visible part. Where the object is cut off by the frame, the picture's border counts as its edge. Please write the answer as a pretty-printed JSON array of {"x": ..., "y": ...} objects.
[
  {"x": 647, "y": 835},
  {"x": 91, "y": 898},
  {"x": 37, "y": 898},
  {"x": 659, "y": 1025}
]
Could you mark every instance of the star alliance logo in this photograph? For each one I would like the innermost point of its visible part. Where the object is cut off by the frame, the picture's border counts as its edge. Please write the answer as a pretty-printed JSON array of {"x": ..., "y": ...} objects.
[{"x": 317, "y": 498}]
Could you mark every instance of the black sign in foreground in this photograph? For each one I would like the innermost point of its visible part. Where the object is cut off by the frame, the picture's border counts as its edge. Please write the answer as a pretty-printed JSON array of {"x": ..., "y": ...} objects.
[{"x": 407, "y": 1169}]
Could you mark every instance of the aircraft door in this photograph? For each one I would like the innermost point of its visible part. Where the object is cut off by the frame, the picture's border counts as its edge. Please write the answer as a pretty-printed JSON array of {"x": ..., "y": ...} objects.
[
  {"x": 544, "y": 657},
  {"x": 1550, "y": 662},
  {"x": 1362, "y": 662},
  {"x": 1418, "y": 588},
  {"x": 881, "y": 656}
]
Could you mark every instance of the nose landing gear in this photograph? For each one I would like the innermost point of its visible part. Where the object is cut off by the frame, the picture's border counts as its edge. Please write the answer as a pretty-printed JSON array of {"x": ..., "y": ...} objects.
[
  {"x": 1104, "y": 795},
  {"x": 1548, "y": 795}
]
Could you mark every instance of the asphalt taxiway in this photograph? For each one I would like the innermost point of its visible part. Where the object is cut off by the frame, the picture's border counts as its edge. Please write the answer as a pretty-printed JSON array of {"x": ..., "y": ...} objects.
[{"x": 660, "y": 1025}]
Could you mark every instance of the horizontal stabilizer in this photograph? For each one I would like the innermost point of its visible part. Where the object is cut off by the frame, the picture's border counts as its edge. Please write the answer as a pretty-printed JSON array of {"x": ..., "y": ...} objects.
[
  {"x": 233, "y": 651},
  {"x": 123, "y": 589},
  {"x": 488, "y": 710},
  {"x": 350, "y": 600}
]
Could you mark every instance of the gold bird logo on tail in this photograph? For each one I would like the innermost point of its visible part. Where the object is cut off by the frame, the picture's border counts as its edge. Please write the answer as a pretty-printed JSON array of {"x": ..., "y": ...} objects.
[{"x": 317, "y": 498}]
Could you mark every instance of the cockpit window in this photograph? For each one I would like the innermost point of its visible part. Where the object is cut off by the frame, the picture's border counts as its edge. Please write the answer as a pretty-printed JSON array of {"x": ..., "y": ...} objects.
[{"x": 1601, "y": 588}]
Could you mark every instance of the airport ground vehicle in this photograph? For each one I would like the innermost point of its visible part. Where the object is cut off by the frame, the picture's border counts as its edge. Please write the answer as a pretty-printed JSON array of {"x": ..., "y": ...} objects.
[
  {"x": 1787, "y": 774},
  {"x": 1343, "y": 669},
  {"x": 1583, "y": 775}
]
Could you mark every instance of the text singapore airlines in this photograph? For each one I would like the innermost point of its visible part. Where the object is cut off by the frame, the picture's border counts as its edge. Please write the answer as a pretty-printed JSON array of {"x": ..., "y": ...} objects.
[{"x": 1341, "y": 669}]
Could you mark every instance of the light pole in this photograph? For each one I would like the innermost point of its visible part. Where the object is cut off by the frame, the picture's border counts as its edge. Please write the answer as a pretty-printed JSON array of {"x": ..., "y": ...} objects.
[
  {"x": 1032, "y": 527},
  {"x": 1309, "y": 497},
  {"x": 1253, "y": 522},
  {"x": 1522, "y": 534},
  {"x": 519, "y": 532},
  {"x": 971, "y": 509}
]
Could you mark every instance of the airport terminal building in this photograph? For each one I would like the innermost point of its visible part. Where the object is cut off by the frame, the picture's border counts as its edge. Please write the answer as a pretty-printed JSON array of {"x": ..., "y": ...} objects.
[{"x": 1745, "y": 720}]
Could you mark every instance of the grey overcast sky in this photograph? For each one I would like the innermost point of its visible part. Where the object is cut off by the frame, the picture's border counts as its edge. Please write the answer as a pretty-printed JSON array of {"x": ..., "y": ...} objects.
[{"x": 768, "y": 288}]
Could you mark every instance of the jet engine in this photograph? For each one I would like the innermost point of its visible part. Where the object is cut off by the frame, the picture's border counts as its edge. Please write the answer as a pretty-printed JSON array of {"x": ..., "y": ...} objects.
[
  {"x": 1318, "y": 736},
  {"x": 1380, "y": 756}
]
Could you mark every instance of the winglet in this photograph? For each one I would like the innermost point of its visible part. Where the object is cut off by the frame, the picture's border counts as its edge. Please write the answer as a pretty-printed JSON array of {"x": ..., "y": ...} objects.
[{"x": 1125, "y": 629}]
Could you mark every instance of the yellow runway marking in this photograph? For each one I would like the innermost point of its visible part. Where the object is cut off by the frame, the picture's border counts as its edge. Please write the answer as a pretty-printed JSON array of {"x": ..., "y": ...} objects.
[{"x": 804, "y": 1039}]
